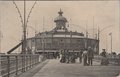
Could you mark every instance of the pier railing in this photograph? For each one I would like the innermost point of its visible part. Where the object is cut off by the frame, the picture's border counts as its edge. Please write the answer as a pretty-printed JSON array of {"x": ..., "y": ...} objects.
[{"x": 13, "y": 65}]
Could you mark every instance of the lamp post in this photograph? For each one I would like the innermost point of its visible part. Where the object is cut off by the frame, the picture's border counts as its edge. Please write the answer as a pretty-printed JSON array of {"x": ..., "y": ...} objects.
[
  {"x": 24, "y": 22},
  {"x": 111, "y": 40},
  {"x": 24, "y": 30}
]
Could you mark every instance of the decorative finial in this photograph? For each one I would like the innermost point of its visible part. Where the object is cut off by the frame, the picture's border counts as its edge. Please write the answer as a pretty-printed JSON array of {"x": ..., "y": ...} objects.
[{"x": 60, "y": 12}]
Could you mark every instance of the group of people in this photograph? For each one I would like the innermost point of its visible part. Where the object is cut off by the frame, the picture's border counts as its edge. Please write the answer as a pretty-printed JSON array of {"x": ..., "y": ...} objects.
[
  {"x": 88, "y": 56},
  {"x": 52, "y": 55},
  {"x": 85, "y": 56},
  {"x": 68, "y": 57}
]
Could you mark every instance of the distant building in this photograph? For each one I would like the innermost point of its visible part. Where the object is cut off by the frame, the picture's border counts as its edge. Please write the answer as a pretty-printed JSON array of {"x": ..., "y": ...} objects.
[{"x": 60, "y": 38}]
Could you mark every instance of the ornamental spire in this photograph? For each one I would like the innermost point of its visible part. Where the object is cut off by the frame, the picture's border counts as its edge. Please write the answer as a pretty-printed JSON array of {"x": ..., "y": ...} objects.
[
  {"x": 60, "y": 22},
  {"x": 60, "y": 12}
]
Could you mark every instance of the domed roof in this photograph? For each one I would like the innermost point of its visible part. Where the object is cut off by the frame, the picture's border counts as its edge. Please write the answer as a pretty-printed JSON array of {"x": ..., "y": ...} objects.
[{"x": 60, "y": 17}]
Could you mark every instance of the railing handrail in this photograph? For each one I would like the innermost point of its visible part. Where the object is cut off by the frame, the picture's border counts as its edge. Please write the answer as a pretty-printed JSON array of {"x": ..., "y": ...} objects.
[{"x": 13, "y": 64}]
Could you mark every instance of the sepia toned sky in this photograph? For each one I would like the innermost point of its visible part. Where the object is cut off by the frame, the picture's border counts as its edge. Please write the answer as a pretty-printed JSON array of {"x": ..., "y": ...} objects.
[{"x": 102, "y": 14}]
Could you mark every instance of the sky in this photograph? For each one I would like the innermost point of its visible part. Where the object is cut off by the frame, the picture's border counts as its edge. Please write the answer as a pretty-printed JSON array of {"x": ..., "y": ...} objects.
[{"x": 102, "y": 14}]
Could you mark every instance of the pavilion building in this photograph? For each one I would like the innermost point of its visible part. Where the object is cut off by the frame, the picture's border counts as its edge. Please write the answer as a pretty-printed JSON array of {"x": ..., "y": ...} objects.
[{"x": 60, "y": 38}]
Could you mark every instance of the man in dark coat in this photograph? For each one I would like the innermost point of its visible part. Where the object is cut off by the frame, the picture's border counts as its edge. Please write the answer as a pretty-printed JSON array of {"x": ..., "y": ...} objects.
[
  {"x": 90, "y": 56},
  {"x": 103, "y": 54},
  {"x": 104, "y": 59}
]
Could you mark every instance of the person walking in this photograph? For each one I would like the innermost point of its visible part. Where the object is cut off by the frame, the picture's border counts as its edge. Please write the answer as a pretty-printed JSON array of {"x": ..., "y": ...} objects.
[
  {"x": 67, "y": 56},
  {"x": 73, "y": 57},
  {"x": 80, "y": 56},
  {"x": 63, "y": 58},
  {"x": 85, "y": 52},
  {"x": 90, "y": 56}
]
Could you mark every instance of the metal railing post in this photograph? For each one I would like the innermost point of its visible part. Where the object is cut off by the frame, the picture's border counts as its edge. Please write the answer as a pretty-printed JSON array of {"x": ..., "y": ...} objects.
[
  {"x": 36, "y": 59},
  {"x": 26, "y": 62},
  {"x": 30, "y": 61},
  {"x": 16, "y": 58},
  {"x": 33, "y": 60},
  {"x": 0, "y": 66},
  {"x": 8, "y": 66},
  {"x": 23, "y": 63}
]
